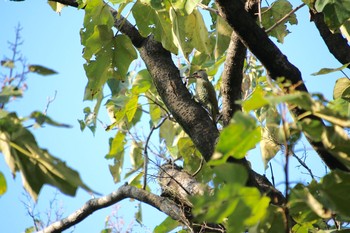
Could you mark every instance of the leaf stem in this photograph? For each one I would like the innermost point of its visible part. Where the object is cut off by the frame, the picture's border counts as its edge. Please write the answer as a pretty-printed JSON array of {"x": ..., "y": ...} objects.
[{"x": 284, "y": 18}]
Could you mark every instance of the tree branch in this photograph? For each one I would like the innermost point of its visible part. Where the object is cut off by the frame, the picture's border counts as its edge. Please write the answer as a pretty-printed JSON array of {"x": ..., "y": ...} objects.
[
  {"x": 337, "y": 45},
  {"x": 275, "y": 62},
  {"x": 161, "y": 203},
  {"x": 231, "y": 84}
]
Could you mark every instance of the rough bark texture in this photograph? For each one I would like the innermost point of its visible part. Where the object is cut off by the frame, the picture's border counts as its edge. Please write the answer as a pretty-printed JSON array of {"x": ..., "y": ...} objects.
[
  {"x": 337, "y": 45},
  {"x": 276, "y": 63},
  {"x": 231, "y": 85},
  {"x": 189, "y": 114},
  {"x": 161, "y": 203}
]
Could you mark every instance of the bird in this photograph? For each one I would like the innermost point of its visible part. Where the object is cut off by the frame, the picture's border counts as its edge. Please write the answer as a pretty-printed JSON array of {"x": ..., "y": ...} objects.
[{"x": 205, "y": 93}]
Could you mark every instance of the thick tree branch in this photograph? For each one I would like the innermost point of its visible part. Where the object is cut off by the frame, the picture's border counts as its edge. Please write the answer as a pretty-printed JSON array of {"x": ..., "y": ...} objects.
[
  {"x": 337, "y": 45},
  {"x": 276, "y": 63},
  {"x": 189, "y": 114},
  {"x": 231, "y": 85},
  {"x": 161, "y": 203}
]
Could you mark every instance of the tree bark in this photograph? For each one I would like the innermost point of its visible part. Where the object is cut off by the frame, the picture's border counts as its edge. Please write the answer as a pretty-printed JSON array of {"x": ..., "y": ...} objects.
[
  {"x": 275, "y": 62},
  {"x": 335, "y": 42}
]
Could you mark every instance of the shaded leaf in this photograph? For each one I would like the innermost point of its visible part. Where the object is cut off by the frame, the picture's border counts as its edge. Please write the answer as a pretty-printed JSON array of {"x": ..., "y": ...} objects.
[
  {"x": 337, "y": 142},
  {"x": 274, "y": 13},
  {"x": 335, "y": 12},
  {"x": 36, "y": 165},
  {"x": 330, "y": 70},
  {"x": 9, "y": 91},
  {"x": 41, "y": 70},
  {"x": 336, "y": 187},
  {"x": 40, "y": 119}
]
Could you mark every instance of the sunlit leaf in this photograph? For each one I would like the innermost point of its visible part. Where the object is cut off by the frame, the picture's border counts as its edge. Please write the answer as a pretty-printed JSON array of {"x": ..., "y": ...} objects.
[
  {"x": 3, "y": 185},
  {"x": 56, "y": 6},
  {"x": 190, "y": 32},
  {"x": 237, "y": 138},
  {"x": 8, "y": 63},
  {"x": 116, "y": 152},
  {"x": 166, "y": 226},
  {"x": 223, "y": 36},
  {"x": 342, "y": 89},
  {"x": 41, "y": 70},
  {"x": 273, "y": 221},
  {"x": 256, "y": 100},
  {"x": 136, "y": 154},
  {"x": 158, "y": 23}
]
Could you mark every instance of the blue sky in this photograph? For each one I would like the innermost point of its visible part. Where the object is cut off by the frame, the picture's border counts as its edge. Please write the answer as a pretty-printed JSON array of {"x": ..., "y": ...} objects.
[{"x": 53, "y": 41}]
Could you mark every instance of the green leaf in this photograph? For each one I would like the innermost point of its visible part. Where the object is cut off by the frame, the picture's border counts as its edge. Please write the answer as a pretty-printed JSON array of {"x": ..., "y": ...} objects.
[
  {"x": 223, "y": 36},
  {"x": 166, "y": 226},
  {"x": 190, "y": 32},
  {"x": 237, "y": 138},
  {"x": 138, "y": 214},
  {"x": 116, "y": 152},
  {"x": 336, "y": 187},
  {"x": 312, "y": 128},
  {"x": 230, "y": 173},
  {"x": 337, "y": 142},
  {"x": 3, "y": 185},
  {"x": 255, "y": 101},
  {"x": 56, "y": 6},
  {"x": 274, "y": 13},
  {"x": 241, "y": 206},
  {"x": 41, "y": 70},
  {"x": 8, "y": 64},
  {"x": 330, "y": 70},
  {"x": 36, "y": 165},
  {"x": 273, "y": 221},
  {"x": 136, "y": 155},
  {"x": 40, "y": 119},
  {"x": 335, "y": 12},
  {"x": 185, "y": 7},
  {"x": 111, "y": 55},
  {"x": 131, "y": 107},
  {"x": 158, "y": 23},
  {"x": 305, "y": 206},
  {"x": 9, "y": 91},
  {"x": 142, "y": 82},
  {"x": 342, "y": 89}
]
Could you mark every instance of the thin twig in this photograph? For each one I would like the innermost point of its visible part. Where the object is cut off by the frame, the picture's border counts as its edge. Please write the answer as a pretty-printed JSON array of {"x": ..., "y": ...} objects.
[
  {"x": 145, "y": 152},
  {"x": 205, "y": 7},
  {"x": 284, "y": 18},
  {"x": 272, "y": 176},
  {"x": 302, "y": 163},
  {"x": 49, "y": 101}
]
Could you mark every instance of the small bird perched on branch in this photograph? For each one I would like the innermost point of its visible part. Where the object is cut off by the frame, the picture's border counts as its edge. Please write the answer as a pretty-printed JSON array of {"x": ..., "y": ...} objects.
[{"x": 205, "y": 93}]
